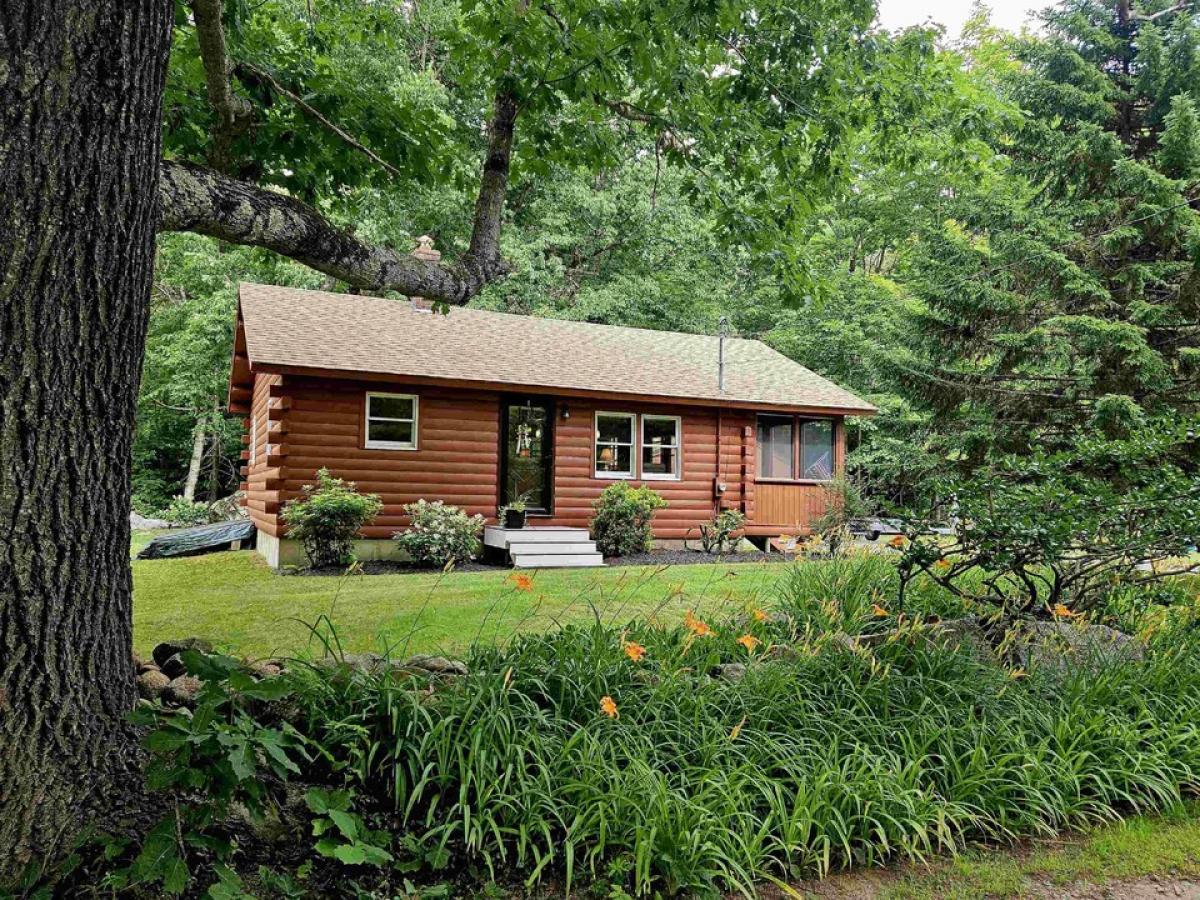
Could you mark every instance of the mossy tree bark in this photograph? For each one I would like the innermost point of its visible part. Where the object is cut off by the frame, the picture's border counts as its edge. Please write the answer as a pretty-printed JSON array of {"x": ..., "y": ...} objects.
[{"x": 81, "y": 87}]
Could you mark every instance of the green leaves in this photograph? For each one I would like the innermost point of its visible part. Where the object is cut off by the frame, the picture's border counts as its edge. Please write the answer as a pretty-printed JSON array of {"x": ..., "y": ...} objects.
[
  {"x": 327, "y": 518},
  {"x": 343, "y": 836}
]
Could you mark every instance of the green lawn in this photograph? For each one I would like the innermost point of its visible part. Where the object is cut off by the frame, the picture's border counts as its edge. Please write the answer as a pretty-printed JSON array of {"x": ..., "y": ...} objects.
[
  {"x": 234, "y": 600},
  {"x": 1160, "y": 847}
]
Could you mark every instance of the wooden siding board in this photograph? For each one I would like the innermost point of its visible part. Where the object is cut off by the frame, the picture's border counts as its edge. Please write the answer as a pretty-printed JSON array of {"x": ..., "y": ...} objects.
[{"x": 457, "y": 458}]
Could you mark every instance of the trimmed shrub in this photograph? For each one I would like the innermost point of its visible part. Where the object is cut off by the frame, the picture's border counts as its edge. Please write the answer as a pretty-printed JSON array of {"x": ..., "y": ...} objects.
[
  {"x": 328, "y": 517},
  {"x": 621, "y": 524},
  {"x": 439, "y": 534}
]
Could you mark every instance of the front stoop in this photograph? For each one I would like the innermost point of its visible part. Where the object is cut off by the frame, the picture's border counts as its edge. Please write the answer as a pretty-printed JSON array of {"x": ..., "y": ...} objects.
[{"x": 549, "y": 547}]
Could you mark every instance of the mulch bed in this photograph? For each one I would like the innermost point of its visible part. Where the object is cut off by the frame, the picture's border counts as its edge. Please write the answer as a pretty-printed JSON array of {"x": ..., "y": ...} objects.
[
  {"x": 691, "y": 558},
  {"x": 381, "y": 567},
  {"x": 653, "y": 558}
]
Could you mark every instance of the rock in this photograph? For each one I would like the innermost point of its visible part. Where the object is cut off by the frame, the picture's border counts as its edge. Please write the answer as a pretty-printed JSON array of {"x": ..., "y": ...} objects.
[
  {"x": 729, "y": 671},
  {"x": 141, "y": 523},
  {"x": 438, "y": 665},
  {"x": 781, "y": 652},
  {"x": 843, "y": 641},
  {"x": 965, "y": 631},
  {"x": 173, "y": 666},
  {"x": 183, "y": 689},
  {"x": 374, "y": 664},
  {"x": 744, "y": 546},
  {"x": 167, "y": 649},
  {"x": 151, "y": 684},
  {"x": 227, "y": 508},
  {"x": 147, "y": 667},
  {"x": 369, "y": 663},
  {"x": 1066, "y": 646},
  {"x": 265, "y": 669}
]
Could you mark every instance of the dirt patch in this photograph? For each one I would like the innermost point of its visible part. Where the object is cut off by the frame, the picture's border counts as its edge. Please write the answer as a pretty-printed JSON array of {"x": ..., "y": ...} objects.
[{"x": 871, "y": 884}]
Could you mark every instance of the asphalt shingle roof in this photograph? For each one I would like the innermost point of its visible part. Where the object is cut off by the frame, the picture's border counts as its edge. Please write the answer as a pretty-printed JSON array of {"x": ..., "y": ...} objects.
[{"x": 314, "y": 329}]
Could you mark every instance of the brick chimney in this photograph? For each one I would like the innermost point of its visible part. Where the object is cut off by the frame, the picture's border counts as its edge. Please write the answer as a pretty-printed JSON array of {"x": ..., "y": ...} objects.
[{"x": 426, "y": 252}]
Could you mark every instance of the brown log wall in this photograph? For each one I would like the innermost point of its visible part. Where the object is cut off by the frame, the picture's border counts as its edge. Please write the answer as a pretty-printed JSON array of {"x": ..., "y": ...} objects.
[{"x": 319, "y": 422}]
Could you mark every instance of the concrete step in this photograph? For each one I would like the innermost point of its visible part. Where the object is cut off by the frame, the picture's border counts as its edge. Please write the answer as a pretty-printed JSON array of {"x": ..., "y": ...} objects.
[
  {"x": 544, "y": 548},
  {"x": 495, "y": 536},
  {"x": 556, "y": 560}
]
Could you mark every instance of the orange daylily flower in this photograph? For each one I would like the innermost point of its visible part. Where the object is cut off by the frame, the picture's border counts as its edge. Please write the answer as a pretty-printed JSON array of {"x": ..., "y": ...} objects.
[
  {"x": 749, "y": 641},
  {"x": 898, "y": 541},
  {"x": 1061, "y": 611},
  {"x": 522, "y": 582},
  {"x": 759, "y": 615},
  {"x": 696, "y": 626},
  {"x": 878, "y": 611},
  {"x": 608, "y": 706},
  {"x": 942, "y": 565},
  {"x": 634, "y": 651}
]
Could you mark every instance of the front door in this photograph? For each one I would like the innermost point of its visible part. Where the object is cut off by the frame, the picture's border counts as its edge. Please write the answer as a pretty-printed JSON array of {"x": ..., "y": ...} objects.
[{"x": 527, "y": 452}]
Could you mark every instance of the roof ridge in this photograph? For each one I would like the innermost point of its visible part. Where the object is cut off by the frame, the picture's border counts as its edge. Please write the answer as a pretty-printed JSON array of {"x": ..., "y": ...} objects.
[{"x": 497, "y": 312}]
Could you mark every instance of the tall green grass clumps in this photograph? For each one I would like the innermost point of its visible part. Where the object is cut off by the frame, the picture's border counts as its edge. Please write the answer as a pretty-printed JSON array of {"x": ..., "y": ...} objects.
[
  {"x": 855, "y": 592},
  {"x": 697, "y": 756}
]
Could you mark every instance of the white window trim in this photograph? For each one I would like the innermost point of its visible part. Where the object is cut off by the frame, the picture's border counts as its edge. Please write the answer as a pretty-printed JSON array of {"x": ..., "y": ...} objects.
[
  {"x": 368, "y": 419},
  {"x": 677, "y": 447},
  {"x": 631, "y": 475},
  {"x": 253, "y": 438}
]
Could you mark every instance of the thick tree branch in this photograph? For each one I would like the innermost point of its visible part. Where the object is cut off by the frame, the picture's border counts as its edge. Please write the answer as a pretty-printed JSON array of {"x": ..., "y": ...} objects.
[
  {"x": 493, "y": 183},
  {"x": 193, "y": 198},
  {"x": 232, "y": 113}
]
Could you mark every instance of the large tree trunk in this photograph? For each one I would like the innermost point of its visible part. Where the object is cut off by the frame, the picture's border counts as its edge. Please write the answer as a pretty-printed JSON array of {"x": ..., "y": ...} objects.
[{"x": 81, "y": 87}]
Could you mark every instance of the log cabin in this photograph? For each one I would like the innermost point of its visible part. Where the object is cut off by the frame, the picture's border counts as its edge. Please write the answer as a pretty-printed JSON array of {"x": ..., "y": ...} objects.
[{"x": 477, "y": 408}]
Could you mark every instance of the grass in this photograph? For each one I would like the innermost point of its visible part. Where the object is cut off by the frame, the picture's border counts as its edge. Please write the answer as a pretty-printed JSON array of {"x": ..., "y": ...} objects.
[
  {"x": 234, "y": 600},
  {"x": 1166, "y": 846}
]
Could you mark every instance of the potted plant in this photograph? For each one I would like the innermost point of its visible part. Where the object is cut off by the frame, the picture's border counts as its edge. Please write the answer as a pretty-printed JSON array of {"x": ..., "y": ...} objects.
[{"x": 512, "y": 514}]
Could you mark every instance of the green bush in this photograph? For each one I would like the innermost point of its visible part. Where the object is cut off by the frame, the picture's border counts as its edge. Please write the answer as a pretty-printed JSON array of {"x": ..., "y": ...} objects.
[
  {"x": 621, "y": 524},
  {"x": 184, "y": 512},
  {"x": 328, "y": 517},
  {"x": 438, "y": 534}
]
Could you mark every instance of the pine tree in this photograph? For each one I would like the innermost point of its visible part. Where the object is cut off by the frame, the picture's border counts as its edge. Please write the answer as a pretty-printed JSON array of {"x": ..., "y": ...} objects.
[
  {"x": 1179, "y": 149},
  {"x": 1067, "y": 302}
]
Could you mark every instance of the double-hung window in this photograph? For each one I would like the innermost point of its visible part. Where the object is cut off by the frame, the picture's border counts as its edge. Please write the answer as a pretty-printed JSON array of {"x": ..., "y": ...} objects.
[
  {"x": 614, "y": 444},
  {"x": 660, "y": 448},
  {"x": 391, "y": 421}
]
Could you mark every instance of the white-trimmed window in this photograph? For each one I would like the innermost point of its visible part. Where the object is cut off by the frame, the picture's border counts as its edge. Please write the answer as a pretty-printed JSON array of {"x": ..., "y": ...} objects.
[
  {"x": 614, "y": 444},
  {"x": 661, "y": 440},
  {"x": 391, "y": 421}
]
